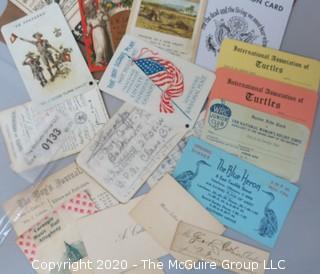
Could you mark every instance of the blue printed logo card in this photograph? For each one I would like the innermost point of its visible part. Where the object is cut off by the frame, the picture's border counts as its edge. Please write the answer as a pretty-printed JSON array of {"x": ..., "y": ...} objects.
[{"x": 240, "y": 195}]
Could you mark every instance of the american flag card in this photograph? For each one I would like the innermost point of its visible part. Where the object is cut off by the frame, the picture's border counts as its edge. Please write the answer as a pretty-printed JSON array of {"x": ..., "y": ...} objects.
[{"x": 157, "y": 81}]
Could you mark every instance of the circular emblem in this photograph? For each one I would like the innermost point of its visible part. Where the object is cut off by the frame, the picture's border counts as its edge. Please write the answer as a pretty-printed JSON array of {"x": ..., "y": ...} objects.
[
  {"x": 232, "y": 23},
  {"x": 237, "y": 25},
  {"x": 219, "y": 116},
  {"x": 80, "y": 117}
]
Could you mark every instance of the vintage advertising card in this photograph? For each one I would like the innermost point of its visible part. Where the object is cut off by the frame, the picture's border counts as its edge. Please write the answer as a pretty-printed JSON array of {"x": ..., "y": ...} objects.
[
  {"x": 157, "y": 82},
  {"x": 169, "y": 163},
  {"x": 167, "y": 204},
  {"x": 87, "y": 112},
  {"x": 54, "y": 223},
  {"x": 208, "y": 246},
  {"x": 47, "y": 56},
  {"x": 107, "y": 239},
  {"x": 258, "y": 22},
  {"x": 69, "y": 9},
  {"x": 267, "y": 141},
  {"x": 127, "y": 151},
  {"x": 103, "y": 23},
  {"x": 240, "y": 195},
  {"x": 270, "y": 63},
  {"x": 283, "y": 100},
  {"x": 29, "y": 207},
  {"x": 173, "y": 26}
]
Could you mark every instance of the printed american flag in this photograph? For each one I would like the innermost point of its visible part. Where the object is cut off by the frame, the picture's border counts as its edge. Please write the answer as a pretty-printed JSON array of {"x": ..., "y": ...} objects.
[{"x": 165, "y": 75}]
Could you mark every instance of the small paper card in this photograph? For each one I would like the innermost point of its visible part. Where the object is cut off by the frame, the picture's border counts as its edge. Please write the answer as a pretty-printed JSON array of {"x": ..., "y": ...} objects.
[
  {"x": 127, "y": 151},
  {"x": 103, "y": 23},
  {"x": 283, "y": 100},
  {"x": 259, "y": 22},
  {"x": 167, "y": 204},
  {"x": 240, "y": 195},
  {"x": 43, "y": 140},
  {"x": 113, "y": 235},
  {"x": 54, "y": 223},
  {"x": 157, "y": 82},
  {"x": 47, "y": 56},
  {"x": 271, "y": 143},
  {"x": 87, "y": 112},
  {"x": 269, "y": 63},
  {"x": 173, "y": 26},
  {"x": 29, "y": 207},
  {"x": 204, "y": 245}
]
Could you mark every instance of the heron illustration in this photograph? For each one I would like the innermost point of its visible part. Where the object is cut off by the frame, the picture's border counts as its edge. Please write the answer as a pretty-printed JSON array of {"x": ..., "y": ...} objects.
[
  {"x": 186, "y": 177},
  {"x": 269, "y": 223}
]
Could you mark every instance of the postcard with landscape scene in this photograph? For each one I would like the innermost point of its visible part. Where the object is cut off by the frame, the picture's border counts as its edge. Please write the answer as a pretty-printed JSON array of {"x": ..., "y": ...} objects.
[{"x": 170, "y": 25}]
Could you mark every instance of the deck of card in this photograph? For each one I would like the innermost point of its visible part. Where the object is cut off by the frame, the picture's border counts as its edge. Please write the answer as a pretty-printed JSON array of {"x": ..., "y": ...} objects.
[{"x": 190, "y": 153}]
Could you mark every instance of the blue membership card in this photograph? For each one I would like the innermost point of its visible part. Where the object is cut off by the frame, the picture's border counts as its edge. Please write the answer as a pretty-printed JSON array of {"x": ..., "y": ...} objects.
[{"x": 237, "y": 193}]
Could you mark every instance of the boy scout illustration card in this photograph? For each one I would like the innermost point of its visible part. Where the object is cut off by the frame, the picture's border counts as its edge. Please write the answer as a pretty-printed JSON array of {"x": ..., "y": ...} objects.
[
  {"x": 267, "y": 141},
  {"x": 173, "y": 26},
  {"x": 270, "y": 63},
  {"x": 258, "y": 22},
  {"x": 103, "y": 23},
  {"x": 47, "y": 56},
  {"x": 238, "y": 194},
  {"x": 157, "y": 82}
]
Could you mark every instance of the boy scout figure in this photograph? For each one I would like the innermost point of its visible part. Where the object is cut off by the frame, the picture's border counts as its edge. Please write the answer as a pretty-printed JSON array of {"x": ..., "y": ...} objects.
[
  {"x": 45, "y": 51},
  {"x": 37, "y": 71}
]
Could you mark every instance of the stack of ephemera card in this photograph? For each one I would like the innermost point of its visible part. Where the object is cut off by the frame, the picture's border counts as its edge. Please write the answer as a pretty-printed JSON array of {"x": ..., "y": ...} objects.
[
  {"x": 59, "y": 82},
  {"x": 262, "y": 107},
  {"x": 44, "y": 217}
]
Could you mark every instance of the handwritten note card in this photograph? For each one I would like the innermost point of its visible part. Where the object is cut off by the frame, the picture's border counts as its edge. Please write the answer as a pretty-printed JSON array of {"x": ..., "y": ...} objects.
[
  {"x": 204, "y": 245},
  {"x": 126, "y": 152}
]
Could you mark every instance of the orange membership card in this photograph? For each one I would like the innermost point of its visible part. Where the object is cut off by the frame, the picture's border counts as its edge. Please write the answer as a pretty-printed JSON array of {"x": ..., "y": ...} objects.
[{"x": 286, "y": 101}]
